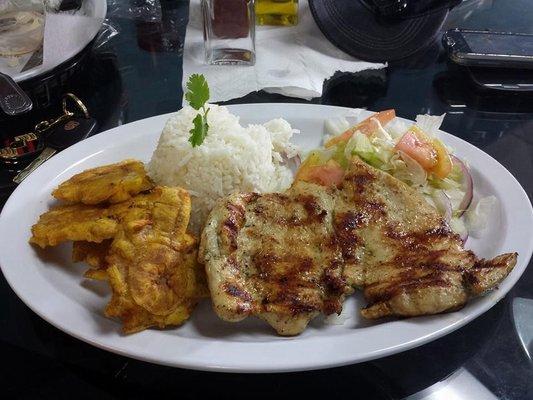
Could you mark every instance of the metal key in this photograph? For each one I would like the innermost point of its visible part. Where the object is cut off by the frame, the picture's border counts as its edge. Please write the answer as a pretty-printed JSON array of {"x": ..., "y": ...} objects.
[{"x": 64, "y": 132}]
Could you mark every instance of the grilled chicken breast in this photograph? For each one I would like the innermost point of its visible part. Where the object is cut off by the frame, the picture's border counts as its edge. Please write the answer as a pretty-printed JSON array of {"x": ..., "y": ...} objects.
[
  {"x": 270, "y": 256},
  {"x": 287, "y": 257},
  {"x": 398, "y": 249}
]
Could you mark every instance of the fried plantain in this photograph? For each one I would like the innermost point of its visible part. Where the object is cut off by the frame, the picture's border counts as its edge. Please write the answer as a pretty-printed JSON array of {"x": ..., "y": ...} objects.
[
  {"x": 107, "y": 184},
  {"x": 80, "y": 222},
  {"x": 93, "y": 254},
  {"x": 135, "y": 241},
  {"x": 153, "y": 272},
  {"x": 76, "y": 222},
  {"x": 149, "y": 294}
]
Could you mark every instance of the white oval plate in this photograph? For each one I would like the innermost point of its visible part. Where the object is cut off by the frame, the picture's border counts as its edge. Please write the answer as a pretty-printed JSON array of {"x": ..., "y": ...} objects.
[{"x": 54, "y": 288}]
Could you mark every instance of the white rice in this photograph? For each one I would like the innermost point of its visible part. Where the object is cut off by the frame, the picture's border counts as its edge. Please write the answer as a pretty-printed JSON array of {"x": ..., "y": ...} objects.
[{"x": 232, "y": 158}]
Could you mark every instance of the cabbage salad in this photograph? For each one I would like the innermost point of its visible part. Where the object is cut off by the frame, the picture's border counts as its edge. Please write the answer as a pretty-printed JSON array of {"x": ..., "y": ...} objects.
[{"x": 413, "y": 153}]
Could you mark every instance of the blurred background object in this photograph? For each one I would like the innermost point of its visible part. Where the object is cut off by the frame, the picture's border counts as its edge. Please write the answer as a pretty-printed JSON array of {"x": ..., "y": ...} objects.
[
  {"x": 522, "y": 312},
  {"x": 21, "y": 28},
  {"x": 21, "y": 40},
  {"x": 385, "y": 30},
  {"x": 293, "y": 61},
  {"x": 48, "y": 72},
  {"x": 44, "y": 60},
  {"x": 138, "y": 10},
  {"x": 229, "y": 32},
  {"x": 276, "y": 12}
]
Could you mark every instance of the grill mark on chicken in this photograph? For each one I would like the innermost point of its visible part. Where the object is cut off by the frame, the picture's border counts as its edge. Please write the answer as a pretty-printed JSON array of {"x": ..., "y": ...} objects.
[
  {"x": 416, "y": 242},
  {"x": 427, "y": 259},
  {"x": 293, "y": 302},
  {"x": 489, "y": 264},
  {"x": 428, "y": 235},
  {"x": 470, "y": 279},
  {"x": 315, "y": 213},
  {"x": 333, "y": 278},
  {"x": 486, "y": 274},
  {"x": 232, "y": 224},
  {"x": 285, "y": 268},
  {"x": 235, "y": 291},
  {"x": 434, "y": 279},
  {"x": 346, "y": 225},
  {"x": 359, "y": 181}
]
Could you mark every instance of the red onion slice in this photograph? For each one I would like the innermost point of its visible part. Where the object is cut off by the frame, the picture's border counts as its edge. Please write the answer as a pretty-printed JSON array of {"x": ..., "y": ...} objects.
[
  {"x": 467, "y": 183},
  {"x": 292, "y": 163}
]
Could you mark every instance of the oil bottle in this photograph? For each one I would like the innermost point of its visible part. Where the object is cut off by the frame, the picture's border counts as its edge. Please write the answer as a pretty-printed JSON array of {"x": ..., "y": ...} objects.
[{"x": 276, "y": 12}]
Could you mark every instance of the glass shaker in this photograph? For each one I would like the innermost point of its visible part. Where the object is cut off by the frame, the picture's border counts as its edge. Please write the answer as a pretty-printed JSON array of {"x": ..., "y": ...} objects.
[{"x": 229, "y": 32}]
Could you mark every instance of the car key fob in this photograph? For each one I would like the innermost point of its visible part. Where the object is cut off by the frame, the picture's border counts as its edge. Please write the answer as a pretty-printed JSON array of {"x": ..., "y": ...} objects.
[
  {"x": 65, "y": 134},
  {"x": 70, "y": 132}
]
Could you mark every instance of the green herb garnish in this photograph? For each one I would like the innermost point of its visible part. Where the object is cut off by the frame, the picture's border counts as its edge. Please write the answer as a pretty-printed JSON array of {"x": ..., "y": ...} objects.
[{"x": 197, "y": 95}]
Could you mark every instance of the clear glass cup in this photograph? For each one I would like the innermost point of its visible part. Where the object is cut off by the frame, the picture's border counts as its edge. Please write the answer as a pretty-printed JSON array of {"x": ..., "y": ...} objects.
[{"x": 229, "y": 32}]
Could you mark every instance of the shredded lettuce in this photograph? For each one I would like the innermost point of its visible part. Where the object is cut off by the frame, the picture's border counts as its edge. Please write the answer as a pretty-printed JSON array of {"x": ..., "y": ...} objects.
[
  {"x": 446, "y": 183},
  {"x": 456, "y": 196},
  {"x": 458, "y": 226},
  {"x": 379, "y": 150},
  {"x": 336, "y": 126},
  {"x": 340, "y": 155},
  {"x": 360, "y": 145},
  {"x": 396, "y": 128},
  {"x": 381, "y": 133},
  {"x": 442, "y": 203},
  {"x": 430, "y": 124},
  {"x": 320, "y": 156},
  {"x": 477, "y": 217},
  {"x": 456, "y": 174}
]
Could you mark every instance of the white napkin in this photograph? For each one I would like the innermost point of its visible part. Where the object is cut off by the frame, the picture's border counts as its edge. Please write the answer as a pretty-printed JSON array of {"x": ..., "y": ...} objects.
[
  {"x": 65, "y": 36},
  {"x": 293, "y": 61}
]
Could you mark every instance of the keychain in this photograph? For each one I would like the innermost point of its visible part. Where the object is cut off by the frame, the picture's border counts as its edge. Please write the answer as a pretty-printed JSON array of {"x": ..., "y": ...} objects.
[{"x": 60, "y": 133}]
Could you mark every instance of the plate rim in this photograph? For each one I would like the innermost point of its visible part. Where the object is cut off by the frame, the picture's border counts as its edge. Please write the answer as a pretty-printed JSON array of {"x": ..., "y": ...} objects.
[{"x": 258, "y": 367}]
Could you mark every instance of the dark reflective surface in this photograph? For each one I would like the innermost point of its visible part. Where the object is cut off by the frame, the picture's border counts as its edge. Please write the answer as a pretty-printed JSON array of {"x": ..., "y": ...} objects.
[{"x": 137, "y": 74}]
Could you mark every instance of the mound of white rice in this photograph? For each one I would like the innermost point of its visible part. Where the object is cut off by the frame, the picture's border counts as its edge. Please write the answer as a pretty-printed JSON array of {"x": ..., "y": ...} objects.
[{"x": 232, "y": 158}]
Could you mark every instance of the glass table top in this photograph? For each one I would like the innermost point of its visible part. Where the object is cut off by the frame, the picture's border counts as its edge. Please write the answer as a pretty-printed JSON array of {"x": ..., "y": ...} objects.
[{"x": 133, "y": 71}]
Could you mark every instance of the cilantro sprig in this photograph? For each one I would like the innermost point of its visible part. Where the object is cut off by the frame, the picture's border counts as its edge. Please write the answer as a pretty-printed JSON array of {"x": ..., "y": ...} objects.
[{"x": 197, "y": 95}]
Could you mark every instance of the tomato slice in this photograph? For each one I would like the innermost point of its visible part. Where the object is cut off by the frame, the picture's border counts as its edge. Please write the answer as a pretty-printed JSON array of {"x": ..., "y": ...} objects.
[
  {"x": 418, "y": 149},
  {"x": 444, "y": 162},
  {"x": 329, "y": 174},
  {"x": 367, "y": 127}
]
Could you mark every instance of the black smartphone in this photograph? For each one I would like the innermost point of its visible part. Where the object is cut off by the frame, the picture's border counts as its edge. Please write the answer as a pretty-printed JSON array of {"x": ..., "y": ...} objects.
[{"x": 489, "y": 49}]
